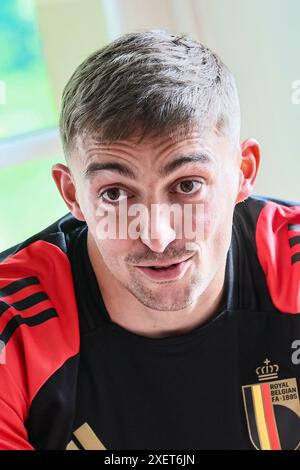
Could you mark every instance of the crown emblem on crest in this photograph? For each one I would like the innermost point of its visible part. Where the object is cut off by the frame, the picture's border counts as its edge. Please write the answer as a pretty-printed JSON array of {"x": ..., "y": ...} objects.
[{"x": 268, "y": 371}]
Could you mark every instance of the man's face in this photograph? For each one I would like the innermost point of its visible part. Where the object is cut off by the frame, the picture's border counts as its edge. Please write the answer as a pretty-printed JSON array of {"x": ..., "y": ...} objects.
[{"x": 200, "y": 170}]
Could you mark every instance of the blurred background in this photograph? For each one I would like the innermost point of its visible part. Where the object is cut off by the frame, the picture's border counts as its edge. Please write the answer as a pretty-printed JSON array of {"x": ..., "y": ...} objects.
[{"x": 42, "y": 41}]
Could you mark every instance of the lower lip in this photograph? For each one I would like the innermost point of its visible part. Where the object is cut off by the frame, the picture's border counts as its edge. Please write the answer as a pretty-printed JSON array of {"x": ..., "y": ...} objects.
[{"x": 173, "y": 273}]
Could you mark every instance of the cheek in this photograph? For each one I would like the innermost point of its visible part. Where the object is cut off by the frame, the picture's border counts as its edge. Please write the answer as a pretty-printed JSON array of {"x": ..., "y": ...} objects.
[
  {"x": 219, "y": 231},
  {"x": 113, "y": 252},
  {"x": 222, "y": 199},
  {"x": 88, "y": 203},
  {"x": 114, "y": 248},
  {"x": 216, "y": 219}
]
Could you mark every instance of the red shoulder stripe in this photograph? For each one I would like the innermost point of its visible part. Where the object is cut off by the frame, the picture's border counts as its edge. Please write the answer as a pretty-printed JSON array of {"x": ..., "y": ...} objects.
[
  {"x": 36, "y": 287},
  {"x": 278, "y": 248}
]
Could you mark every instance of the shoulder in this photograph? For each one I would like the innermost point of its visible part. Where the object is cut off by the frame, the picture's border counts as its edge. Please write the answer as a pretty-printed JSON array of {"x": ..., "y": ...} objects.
[
  {"x": 38, "y": 312},
  {"x": 273, "y": 227}
]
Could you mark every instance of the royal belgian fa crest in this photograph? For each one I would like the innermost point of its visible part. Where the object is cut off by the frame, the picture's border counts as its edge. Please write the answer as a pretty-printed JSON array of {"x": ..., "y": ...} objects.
[{"x": 273, "y": 410}]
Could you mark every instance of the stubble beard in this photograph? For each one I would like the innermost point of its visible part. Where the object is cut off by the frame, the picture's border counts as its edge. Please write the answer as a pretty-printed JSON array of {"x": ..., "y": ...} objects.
[{"x": 167, "y": 296}]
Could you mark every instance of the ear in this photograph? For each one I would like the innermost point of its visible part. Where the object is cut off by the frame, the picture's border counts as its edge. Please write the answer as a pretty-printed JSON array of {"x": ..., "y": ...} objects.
[
  {"x": 250, "y": 160},
  {"x": 65, "y": 184}
]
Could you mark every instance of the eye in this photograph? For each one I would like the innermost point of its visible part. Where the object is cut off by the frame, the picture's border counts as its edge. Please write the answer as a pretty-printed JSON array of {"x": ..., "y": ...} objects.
[
  {"x": 113, "y": 195},
  {"x": 188, "y": 186}
]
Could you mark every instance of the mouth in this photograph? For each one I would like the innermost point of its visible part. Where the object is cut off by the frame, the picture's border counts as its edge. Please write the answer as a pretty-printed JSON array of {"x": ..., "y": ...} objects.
[{"x": 166, "y": 272}]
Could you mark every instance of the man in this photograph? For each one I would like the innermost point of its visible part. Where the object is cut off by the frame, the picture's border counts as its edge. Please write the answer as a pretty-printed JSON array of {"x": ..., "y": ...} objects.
[{"x": 119, "y": 329}]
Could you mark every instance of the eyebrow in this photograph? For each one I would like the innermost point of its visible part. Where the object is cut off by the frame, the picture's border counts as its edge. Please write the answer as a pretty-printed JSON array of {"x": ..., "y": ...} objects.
[
  {"x": 119, "y": 168},
  {"x": 184, "y": 160},
  {"x": 124, "y": 170}
]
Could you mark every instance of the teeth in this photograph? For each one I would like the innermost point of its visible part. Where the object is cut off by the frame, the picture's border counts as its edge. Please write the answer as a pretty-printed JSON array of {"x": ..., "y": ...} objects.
[{"x": 161, "y": 267}]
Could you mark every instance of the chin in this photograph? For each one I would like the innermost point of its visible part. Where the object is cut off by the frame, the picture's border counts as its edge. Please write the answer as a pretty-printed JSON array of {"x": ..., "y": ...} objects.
[
  {"x": 169, "y": 306},
  {"x": 167, "y": 297}
]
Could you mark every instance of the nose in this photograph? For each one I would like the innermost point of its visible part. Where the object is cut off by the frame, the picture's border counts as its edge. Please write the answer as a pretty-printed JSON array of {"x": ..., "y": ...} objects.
[{"x": 157, "y": 232}]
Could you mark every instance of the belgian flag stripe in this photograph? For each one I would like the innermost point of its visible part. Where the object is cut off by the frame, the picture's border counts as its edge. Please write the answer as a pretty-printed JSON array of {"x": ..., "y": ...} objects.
[
  {"x": 260, "y": 418},
  {"x": 248, "y": 400},
  {"x": 270, "y": 418}
]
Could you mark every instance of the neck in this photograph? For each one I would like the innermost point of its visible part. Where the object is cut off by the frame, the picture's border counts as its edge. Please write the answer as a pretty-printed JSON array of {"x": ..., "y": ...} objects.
[{"x": 144, "y": 321}]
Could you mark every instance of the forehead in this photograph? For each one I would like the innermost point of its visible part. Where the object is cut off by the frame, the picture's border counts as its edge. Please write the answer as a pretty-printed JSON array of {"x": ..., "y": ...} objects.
[{"x": 152, "y": 151}]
